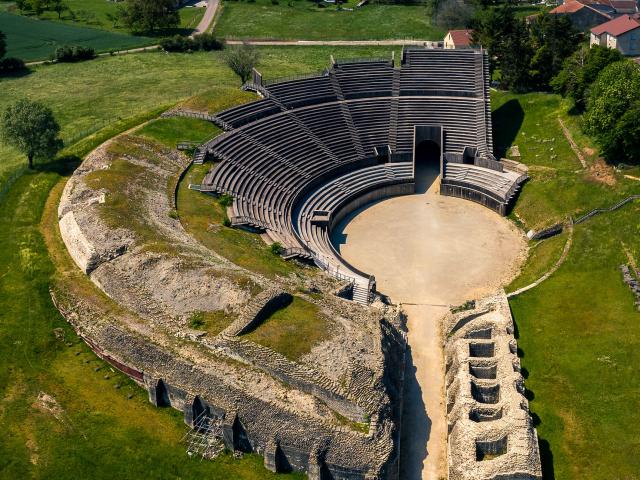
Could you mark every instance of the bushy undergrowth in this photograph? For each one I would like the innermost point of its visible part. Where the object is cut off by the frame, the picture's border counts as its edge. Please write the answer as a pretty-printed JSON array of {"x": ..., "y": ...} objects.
[{"x": 205, "y": 42}]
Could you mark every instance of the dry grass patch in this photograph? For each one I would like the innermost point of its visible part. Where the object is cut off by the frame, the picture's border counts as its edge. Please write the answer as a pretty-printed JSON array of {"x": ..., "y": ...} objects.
[{"x": 293, "y": 330}]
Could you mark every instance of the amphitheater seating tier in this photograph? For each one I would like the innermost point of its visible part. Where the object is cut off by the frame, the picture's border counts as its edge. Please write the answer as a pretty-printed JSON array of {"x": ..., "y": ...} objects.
[{"x": 309, "y": 143}]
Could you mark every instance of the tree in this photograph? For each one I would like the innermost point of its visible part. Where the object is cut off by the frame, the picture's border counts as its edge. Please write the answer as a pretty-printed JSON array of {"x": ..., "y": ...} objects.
[
  {"x": 58, "y": 6},
  {"x": 451, "y": 14},
  {"x": 31, "y": 128},
  {"x": 580, "y": 70},
  {"x": 612, "y": 111},
  {"x": 242, "y": 60},
  {"x": 553, "y": 39},
  {"x": 149, "y": 15},
  {"x": 622, "y": 144}
]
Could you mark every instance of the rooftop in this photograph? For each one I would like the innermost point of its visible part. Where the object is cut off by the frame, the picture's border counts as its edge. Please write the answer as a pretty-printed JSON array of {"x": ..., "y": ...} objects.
[
  {"x": 617, "y": 26},
  {"x": 461, "y": 37}
]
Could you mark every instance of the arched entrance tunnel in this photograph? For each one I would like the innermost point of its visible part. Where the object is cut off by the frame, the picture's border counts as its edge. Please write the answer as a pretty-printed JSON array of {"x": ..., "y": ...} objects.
[{"x": 427, "y": 164}]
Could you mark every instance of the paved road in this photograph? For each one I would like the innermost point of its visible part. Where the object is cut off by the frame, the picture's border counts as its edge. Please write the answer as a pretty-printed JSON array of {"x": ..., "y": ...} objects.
[
  {"x": 209, "y": 14},
  {"x": 356, "y": 43}
]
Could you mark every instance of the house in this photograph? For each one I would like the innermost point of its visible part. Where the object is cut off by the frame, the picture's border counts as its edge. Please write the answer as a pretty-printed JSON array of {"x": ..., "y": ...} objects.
[
  {"x": 585, "y": 14},
  {"x": 621, "y": 33},
  {"x": 458, "y": 39}
]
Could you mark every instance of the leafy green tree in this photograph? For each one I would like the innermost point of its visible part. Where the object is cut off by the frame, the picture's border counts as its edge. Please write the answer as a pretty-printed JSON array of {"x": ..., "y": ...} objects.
[
  {"x": 553, "y": 39},
  {"x": 453, "y": 14},
  {"x": 242, "y": 60},
  {"x": 150, "y": 15},
  {"x": 58, "y": 6},
  {"x": 580, "y": 70},
  {"x": 622, "y": 144},
  {"x": 612, "y": 111},
  {"x": 31, "y": 128}
]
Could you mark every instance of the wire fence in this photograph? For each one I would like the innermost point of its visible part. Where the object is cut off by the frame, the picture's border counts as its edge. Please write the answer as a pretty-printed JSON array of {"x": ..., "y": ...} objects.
[{"x": 7, "y": 183}]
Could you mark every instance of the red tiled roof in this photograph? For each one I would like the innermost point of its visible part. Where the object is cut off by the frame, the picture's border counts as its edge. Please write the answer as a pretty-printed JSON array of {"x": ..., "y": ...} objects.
[
  {"x": 617, "y": 26},
  {"x": 461, "y": 38},
  {"x": 571, "y": 6}
]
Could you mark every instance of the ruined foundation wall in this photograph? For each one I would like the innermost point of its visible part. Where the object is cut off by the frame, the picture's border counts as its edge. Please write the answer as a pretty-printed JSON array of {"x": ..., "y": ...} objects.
[{"x": 491, "y": 433}]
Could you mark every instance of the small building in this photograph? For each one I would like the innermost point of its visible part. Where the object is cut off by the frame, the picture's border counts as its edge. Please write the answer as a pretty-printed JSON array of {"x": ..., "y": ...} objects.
[
  {"x": 458, "y": 39},
  {"x": 585, "y": 14},
  {"x": 624, "y": 6},
  {"x": 621, "y": 33}
]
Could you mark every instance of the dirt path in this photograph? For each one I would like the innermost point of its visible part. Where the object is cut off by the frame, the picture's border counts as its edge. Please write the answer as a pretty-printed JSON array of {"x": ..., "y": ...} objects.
[
  {"x": 572, "y": 142},
  {"x": 429, "y": 252}
]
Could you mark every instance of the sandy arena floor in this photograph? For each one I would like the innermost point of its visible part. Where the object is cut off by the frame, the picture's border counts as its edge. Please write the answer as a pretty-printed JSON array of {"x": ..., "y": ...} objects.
[{"x": 428, "y": 252}]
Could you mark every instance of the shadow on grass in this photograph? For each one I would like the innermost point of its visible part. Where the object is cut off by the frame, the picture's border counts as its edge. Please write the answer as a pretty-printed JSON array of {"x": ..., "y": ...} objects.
[
  {"x": 18, "y": 74},
  {"x": 546, "y": 455},
  {"x": 507, "y": 120},
  {"x": 63, "y": 166}
]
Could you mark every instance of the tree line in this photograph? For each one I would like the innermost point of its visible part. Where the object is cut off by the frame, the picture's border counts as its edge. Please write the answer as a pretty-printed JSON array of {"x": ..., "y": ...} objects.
[
  {"x": 547, "y": 53},
  {"x": 139, "y": 16}
]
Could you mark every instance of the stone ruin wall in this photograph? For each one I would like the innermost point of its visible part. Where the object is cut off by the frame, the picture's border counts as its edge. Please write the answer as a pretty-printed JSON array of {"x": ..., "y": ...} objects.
[
  {"x": 491, "y": 435},
  {"x": 286, "y": 440}
]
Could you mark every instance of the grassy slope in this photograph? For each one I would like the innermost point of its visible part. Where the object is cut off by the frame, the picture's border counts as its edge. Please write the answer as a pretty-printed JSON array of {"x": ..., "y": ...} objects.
[
  {"x": 202, "y": 216},
  {"x": 291, "y": 331},
  {"x": 170, "y": 131},
  {"x": 578, "y": 330},
  {"x": 32, "y": 39},
  {"x": 303, "y": 20},
  {"x": 558, "y": 186}
]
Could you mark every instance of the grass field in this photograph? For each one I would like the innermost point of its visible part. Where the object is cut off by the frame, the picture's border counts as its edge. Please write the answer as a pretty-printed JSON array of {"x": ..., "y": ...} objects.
[
  {"x": 90, "y": 95},
  {"x": 578, "y": 332},
  {"x": 558, "y": 186},
  {"x": 94, "y": 14},
  {"x": 32, "y": 39},
  {"x": 299, "y": 19}
]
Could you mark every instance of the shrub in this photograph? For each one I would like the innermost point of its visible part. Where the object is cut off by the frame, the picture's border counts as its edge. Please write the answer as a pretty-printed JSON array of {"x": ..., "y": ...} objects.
[
  {"x": 11, "y": 65},
  {"x": 196, "y": 320},
  {"x": 275, "y": 2},
  {"x": 207, "y": 42},
  {"x": 178, "y": 43},
  {"x": 276, "y": 248},
  {"x": 73, "y": 54},
  {"x": 226, "y": 222},
  {"x": 225, "y": 200},
  {"x": 173, "y": 214}
]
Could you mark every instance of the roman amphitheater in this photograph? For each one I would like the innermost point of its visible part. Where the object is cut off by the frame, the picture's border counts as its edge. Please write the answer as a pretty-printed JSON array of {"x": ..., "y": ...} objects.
[{"x": 377, "y": 177}]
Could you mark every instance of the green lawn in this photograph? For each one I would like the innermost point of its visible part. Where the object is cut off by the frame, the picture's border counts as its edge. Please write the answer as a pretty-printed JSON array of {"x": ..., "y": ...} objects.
[
  {"x": 578, "y": 330},
  {"x": 558, "y": 186},
  {"x": 170, "y": 131},
  {"x": 581, "y": 348},
  {"x": 299, "y": 19},
  {"x": 90, "y": 95},
  {"x": 94, "y": 14},
  {"x": 33, "y": 39}
]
